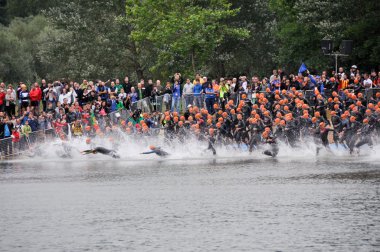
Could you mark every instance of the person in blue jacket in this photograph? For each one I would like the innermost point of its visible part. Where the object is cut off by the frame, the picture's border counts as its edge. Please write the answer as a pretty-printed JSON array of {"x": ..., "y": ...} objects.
[
  {"x": 176, "y": 97},
  {"x": 210, "y": 98}
]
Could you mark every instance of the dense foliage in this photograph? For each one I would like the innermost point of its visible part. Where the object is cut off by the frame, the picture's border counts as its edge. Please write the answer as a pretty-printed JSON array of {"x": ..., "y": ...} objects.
[{"x": 155, "y": 38}]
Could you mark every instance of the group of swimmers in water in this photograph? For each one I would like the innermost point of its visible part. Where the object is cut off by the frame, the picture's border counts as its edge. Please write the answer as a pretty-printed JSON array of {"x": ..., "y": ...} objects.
[{"x": 346, "y": 120}]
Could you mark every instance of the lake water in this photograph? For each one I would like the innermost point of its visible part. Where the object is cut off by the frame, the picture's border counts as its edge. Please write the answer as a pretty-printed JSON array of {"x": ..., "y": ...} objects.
[{"x": 226, "y": 204}]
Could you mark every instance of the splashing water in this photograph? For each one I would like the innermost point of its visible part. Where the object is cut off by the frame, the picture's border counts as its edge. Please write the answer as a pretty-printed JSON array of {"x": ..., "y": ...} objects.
[{"x": 130, "y": 148}]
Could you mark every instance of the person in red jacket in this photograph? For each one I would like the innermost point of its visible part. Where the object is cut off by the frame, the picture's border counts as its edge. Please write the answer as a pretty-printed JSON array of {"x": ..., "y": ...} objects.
[
  {"x": 2, "y": 99},
  {"x": 15, "y": 139},
  {"x": 35, "y": 95}
]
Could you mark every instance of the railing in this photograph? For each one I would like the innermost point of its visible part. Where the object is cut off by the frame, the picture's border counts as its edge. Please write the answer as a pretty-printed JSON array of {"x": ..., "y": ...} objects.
[
  {"x": 9, "y": 147},
  {"x": 165, "y": 102},
  {"x": 119, "y": 115}
]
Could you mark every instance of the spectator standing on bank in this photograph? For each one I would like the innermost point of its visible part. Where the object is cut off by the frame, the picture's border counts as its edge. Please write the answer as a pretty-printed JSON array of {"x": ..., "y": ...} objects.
[
  {"x": 210, "y": 98},
  {"x": 35, "y": 96},
  {"x": 188, "y": 93},
  {"x": 198, "y": 90},
  {"x": 2, "y": 99},
  {"x": 10, "y": 103},
  {"x": 176, "y": 97}
]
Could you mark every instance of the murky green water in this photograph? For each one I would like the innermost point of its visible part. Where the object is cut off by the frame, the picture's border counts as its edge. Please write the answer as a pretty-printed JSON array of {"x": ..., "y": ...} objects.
[{"x": 209, "y": 205}]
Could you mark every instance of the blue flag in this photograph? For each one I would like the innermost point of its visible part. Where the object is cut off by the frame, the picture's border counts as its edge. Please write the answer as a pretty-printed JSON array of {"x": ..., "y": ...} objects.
[{"x": 303, "y": 68}]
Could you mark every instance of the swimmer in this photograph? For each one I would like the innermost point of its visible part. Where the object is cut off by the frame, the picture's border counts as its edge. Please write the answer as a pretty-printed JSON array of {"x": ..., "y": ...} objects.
[
  {"x": 103, "y": 151},
  {"x": 157, "y": 150},
  {"x": 211, "y": 141},
  {"x": 267, "y": 139}
]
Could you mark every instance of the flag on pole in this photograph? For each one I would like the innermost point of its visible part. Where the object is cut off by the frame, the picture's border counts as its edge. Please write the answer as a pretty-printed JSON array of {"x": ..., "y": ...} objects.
[{"x": 302, "y": 68}]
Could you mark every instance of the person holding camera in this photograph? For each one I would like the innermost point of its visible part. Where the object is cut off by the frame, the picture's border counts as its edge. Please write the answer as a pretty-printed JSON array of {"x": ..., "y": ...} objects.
[{"x": 51, "y": 96}]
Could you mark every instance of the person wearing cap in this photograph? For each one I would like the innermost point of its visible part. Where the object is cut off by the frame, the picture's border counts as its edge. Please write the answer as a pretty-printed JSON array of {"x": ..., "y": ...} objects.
[
  {"x": 267, "y": 138},
  {"x": 353, "y": 70},
  {"x": 365, "y": 134},
  {"x": 156, "y": 150},
  {"x": 211, "y": 141},
  {"x": 101, "y": 150}
]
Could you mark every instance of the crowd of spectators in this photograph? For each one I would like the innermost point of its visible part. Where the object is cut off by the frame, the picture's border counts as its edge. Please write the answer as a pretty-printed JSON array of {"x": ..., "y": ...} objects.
[{"x": 86, "y": 106}]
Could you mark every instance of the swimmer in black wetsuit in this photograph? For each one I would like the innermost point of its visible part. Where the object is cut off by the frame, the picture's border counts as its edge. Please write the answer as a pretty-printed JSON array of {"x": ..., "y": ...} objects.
[
  {"x": 268, "y": 139},
  {"x": 156, "y": 150},
  {"x": 365, "y": 133},
  {"x": 211, "y": 141},
  {"x": 103, "y": 151}
]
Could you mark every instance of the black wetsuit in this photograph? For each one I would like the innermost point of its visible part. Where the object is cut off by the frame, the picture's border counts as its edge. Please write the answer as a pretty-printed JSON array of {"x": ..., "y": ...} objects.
[
  {"x": 211, "y": 142},
  {"x": 255, "y": 131},
  {"x": 103, "y": 151},
  {"x": 350, "y": 134},
  {"x": 274, "y": 148},
  {"x": 290, "y": 132},
  {"x": 365, "y": 136},
  {"x": 158, "y": 152}
]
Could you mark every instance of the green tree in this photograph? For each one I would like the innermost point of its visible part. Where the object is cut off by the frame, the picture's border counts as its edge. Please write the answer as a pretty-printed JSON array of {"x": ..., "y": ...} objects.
[
  {"x": 94, "y": 43},
  {"x": 10, "y": 9},
  {"x": 250, "y": 55},
  {"x": 184, "y": 33},
  {"x": 19, "y": 49},
  {"x": 364, "y": 29},
  {"x": 301, "y": 24}
]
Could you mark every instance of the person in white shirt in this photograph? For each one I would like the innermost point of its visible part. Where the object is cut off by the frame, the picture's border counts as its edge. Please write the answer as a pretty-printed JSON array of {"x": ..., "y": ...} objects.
[
  {"x": 244, "y": 83},
  {"x": 122, "y": 95},
  {"x": 367, "y": 83},
  {"x": 70, "y": 96},
  {"x": 273, "y": 76},
  {"x": 188, "y": 93}
]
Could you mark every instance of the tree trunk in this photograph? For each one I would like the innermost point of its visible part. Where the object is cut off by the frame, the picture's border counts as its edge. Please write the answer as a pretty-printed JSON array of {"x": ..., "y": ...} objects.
[
  {"x": 222, "y": 70},
  {"x": 139, "y": 70},
  {"x": 140, "y": 73},
  {"x": 193, "y": 60}
]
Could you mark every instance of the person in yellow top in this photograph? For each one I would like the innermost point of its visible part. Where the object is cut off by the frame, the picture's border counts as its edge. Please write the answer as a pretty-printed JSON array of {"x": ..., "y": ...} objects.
[
  {"x": 77, "y": 129},
  {"x": 26, "y": 129},
  {"x": 198, "y": 79},
  {"x": 223, "y": 93}
]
